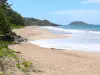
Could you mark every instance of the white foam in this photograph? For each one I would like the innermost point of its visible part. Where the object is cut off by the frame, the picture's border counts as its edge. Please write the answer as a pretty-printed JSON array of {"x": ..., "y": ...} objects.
[
  {"x": 82, "y": 40},
  {"x": 70, "y": 46},
  {"x": 74, "y": 31},
  {"x": 95, "y": 32},
  {"x": 61, "y": 29}
]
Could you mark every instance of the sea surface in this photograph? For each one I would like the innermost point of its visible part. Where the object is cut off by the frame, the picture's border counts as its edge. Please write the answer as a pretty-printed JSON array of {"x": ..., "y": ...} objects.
[{"x": 84, "y": 38}]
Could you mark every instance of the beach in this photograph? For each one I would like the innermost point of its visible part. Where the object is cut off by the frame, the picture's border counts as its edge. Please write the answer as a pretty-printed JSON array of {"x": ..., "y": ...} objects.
[
  {"x": 55, "y": 61},
  {"x": 37, "y": 33}
]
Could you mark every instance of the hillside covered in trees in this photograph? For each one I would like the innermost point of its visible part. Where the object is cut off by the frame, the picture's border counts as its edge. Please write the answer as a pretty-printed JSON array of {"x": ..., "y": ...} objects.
[
  {"x": 34, "y": 21},
  {"x": 15, "y": 19},
  {"x": 78, "y": 23}
]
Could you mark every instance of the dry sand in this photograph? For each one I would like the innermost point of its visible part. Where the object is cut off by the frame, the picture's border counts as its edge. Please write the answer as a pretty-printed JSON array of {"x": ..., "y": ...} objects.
[
  {"x": 36, "y": 33},
  {"x": 56, "y": 62}
]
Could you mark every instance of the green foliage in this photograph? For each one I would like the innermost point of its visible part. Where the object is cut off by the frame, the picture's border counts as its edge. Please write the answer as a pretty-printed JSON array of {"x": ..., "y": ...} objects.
[
  {"x": 9, "y": 18},
  {"x": 15, "y": 20},
  {"x": 8, "y": 74},
  {"x": 18, "y": 65},
  {"x": 21, "y": 63},
  {"x": 14, "y": 26},
  {"x": 24, "y": 69},
  {"x": 5, "y": 51},
  {"x": 33, "y": 21},
  {"x": 27, "y": 64},
  {"x": 4, "y": 24},
  {"x": 14, "y": 17},
  {"x": 24, "y": 65}
]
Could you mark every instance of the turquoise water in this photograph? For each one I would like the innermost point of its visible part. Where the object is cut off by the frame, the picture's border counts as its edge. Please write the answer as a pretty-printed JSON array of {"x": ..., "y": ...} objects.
[
  {"x": 84, "y": 38},
  {"x": 82, "y": 27}
]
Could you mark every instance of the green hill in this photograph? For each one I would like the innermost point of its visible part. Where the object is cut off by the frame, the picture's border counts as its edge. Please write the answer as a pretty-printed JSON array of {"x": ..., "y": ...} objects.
[
  {"x": 34, "y": 21},
  {"x": 78, "y": 23}
]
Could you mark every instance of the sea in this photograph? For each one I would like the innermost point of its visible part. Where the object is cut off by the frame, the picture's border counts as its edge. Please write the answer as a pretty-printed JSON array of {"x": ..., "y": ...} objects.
[{"x": 83, "y": 38}]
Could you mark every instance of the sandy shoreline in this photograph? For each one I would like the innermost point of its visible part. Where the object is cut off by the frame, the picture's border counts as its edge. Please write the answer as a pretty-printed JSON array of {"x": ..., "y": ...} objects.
[
  {"x": 37, "y": 33},
  {"x": 56, "y": 62}
]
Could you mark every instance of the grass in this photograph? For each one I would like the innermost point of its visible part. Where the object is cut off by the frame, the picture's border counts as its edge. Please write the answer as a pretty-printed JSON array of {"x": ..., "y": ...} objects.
[
  {"x": 24, "y": 65},
  {"x": 5, "y": 51},
  {"x": 16, "y": 26},
  {"x": 21, "y": 63}
]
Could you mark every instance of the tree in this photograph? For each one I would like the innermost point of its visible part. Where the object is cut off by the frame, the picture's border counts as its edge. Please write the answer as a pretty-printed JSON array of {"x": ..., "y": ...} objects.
[
  {"x": 4, "y": 24},
  {"x": 14, "y": 17}
]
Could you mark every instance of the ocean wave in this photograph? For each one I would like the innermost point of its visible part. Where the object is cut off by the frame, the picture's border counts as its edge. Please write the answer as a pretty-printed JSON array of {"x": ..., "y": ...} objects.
[
  {"x": 69, "y": 46},
  {"x": 95, "y": 32},
  {"x": 71, "y": 31},
  {"x": 84, "y": 40}
]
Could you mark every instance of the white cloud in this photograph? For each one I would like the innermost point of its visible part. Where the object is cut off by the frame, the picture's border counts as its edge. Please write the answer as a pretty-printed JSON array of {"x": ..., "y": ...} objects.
[
  {"x": 74, "y": 12},
  {"x": 90, "y": 1},
  {"x": 67, "y": 16}
]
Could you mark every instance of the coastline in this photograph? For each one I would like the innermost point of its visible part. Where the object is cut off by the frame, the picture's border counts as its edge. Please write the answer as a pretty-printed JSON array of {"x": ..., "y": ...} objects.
[
  {"x": 53, "y": 61},
  {"x": 37, "y": 33}
]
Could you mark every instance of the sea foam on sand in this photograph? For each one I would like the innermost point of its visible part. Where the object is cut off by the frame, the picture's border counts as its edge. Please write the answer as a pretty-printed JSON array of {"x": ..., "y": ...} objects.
[{"x": 81, "y": 40}]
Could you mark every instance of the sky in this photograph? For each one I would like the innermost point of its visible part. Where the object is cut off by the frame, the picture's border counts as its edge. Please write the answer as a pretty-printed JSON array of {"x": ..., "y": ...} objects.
[{"x": 59, "y": 11}]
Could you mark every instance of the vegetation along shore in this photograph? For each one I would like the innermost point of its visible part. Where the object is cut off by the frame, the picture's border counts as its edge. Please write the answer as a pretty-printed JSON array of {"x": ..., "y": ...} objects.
[{"x": 19, "y": 57}]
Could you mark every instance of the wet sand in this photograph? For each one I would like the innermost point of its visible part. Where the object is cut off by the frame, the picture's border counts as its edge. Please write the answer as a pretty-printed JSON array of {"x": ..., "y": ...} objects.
[{"x": 53, "y": 61}]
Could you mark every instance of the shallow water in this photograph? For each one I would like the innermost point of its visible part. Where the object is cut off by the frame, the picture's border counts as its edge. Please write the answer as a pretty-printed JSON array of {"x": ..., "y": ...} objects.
[{"x": 81, "y": 40}]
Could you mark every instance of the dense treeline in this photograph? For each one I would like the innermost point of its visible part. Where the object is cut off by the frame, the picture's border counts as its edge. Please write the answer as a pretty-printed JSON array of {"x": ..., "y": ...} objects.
[
  {"x": 9, "y": 18},
  {"x": 15, "y": 19},
  {"x": 33, "y": 21}
]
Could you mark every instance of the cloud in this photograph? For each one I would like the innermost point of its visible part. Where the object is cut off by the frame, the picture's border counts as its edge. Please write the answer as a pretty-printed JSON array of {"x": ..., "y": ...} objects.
[
  {"x": 74, "y": 12},
  {"x": 90, "y": 1},
  {"x": 67, "y": 16}
]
